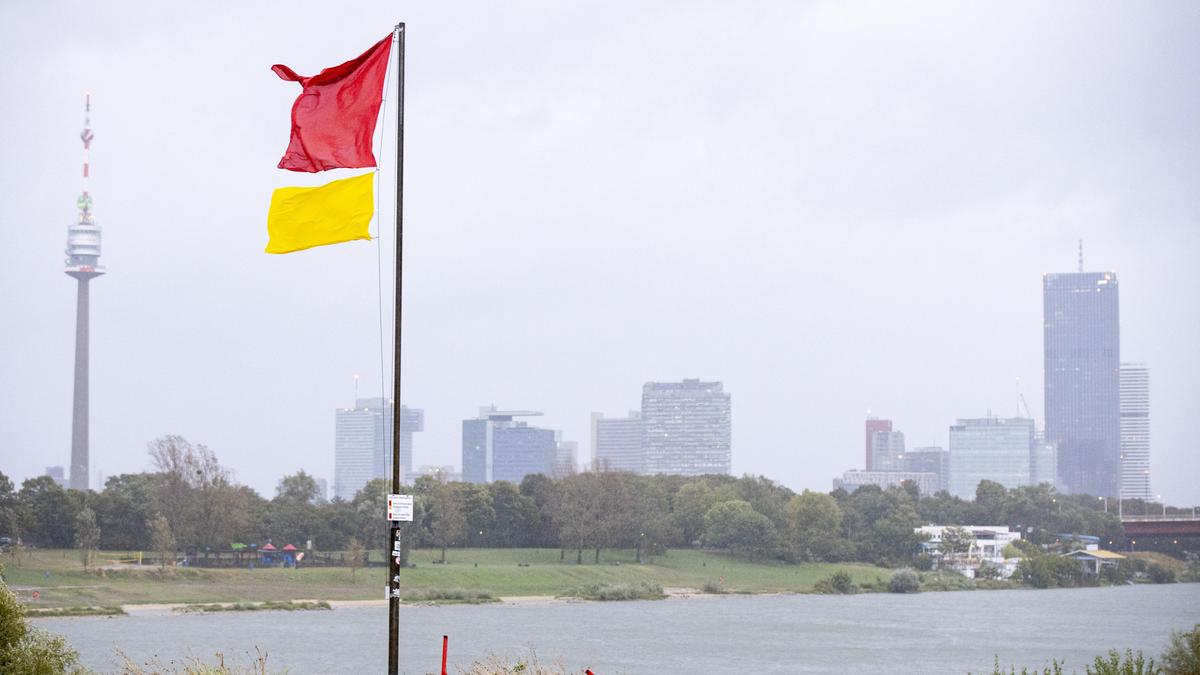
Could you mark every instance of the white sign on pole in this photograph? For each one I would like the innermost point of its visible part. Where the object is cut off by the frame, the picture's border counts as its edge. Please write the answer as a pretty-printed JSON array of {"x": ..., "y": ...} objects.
[{"x": 400, "y": 507}]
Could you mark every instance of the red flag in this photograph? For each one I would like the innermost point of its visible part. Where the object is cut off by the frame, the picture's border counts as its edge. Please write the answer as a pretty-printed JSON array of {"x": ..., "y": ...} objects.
[{"x": 333, "y": 120}]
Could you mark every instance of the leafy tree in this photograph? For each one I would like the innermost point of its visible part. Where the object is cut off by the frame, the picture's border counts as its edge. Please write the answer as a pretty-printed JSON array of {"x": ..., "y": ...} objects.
[
  {"x": 87, "y": 535},
  {"x": 357, "y": 554},
  {"x": 298, "y": 489},
  {"x": 576, "y": 512},
  {"x": 814, "y": 527},
  {"x": 736, "y": 526},
  {"x": 9, "y": 509},
  {"x": 956, "y": 540},
  {"x": 447, "y": 522},
  {"x": 28, "y": 650},
  {"x": 47, "y": 513},
  {"x": 1183, "y": 654},
  {"x": 125, "y": 511},
  {"x": 164, "y": 541},
  {"x": 691, "y": 502}
]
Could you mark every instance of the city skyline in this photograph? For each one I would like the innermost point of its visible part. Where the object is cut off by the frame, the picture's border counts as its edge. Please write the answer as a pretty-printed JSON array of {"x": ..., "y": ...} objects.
[{"x": 873, "y": 235}]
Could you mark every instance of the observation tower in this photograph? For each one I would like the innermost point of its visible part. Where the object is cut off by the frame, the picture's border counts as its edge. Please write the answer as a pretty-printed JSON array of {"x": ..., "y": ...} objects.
[{"x": 83, "y": 263}]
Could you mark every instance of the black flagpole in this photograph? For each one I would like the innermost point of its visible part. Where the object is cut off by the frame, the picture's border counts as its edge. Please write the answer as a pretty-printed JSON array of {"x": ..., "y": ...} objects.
[{"x": 394, "y": 526}]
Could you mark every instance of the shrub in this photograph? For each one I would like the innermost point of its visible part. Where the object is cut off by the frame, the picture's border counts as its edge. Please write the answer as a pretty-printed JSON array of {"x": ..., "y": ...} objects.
[
  {"x": 29, "y": 650},
  {"x": 713, "y": 587},
  {"x": 987, "y": 570},
  {"x": 923, "y": 562},
  {"x": 839, "y": 583},
  {"x": 641, "y": 590},
  {"x": 1160, "y": 574},
  {"x": 1131, "y": 664},
  {"x": 904, "y": 581},
  {"x": 1183, "y": 654}
]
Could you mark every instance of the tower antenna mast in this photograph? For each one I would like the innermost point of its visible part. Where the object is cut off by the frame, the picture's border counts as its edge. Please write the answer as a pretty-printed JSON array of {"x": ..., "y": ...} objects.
[{"x": 82, "y": 264}]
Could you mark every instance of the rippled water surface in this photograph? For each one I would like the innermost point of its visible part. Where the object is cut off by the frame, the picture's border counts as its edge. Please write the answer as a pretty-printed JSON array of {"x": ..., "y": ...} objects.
[{"x": 876, "y": 633}]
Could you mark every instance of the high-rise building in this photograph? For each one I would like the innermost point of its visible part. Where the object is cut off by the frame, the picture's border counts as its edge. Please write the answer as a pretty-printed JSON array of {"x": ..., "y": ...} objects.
[
  {"x": 874, "y": 426},
  {"x": 363, "y": 443},
  {"x": 566, "y": 457},
  {"x": 1082, "y": 350},
  {"x": 1135, "y": 432},
  {"x": 887, "y": 451},
  {"x": 83, "y": 264},
  {"x": 617, "y": 443},
  {"x": 929, "y": 459},
  {"x": 58, "y": 475},
  {"x": 687, "y": 428},
  {"x": 1043, "y": 462},
  {"x": 495, "y": 447},
  {"x": 990, "y": 448},
  {"x": 322, "y": 490}
]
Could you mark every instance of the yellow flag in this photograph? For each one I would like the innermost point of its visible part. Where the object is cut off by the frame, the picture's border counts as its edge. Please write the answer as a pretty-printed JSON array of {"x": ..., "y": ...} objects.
[{"x": 303, "y": 217}]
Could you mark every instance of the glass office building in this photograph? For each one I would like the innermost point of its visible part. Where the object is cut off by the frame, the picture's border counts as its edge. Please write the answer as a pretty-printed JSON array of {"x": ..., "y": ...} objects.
[
  {"x": 990, "y": 448},
  {"x": 362, "y": 446},
  {"x": 495, "y": 447},
  {"x": 1082, "y": 373},
  {"x": 617, "y": 443}
]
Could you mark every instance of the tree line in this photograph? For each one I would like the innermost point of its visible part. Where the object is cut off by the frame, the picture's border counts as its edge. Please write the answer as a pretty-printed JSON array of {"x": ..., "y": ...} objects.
[{"x": 190, "y": 501}]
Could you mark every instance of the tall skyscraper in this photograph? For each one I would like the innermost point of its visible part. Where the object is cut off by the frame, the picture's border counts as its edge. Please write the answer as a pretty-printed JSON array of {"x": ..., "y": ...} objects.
[
  {"x": 887, "y": 451},
  {"x": 617, "y": 443},
  {"x": 873, "y": 426},
  {"x": 495, "y": 447},
  {"x": 1082, "y": 349},
  {"x": 992, "y": 448},
  {"x": 1135, "y": 432},
  {"x": 688, "y": 428},
  {"x": 83, "y": 264},
  {"x": 363, "y": 443}
]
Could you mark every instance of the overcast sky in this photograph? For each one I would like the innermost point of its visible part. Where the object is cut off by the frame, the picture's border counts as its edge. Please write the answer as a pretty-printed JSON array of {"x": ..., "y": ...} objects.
[{"x": 829, "y": 207}]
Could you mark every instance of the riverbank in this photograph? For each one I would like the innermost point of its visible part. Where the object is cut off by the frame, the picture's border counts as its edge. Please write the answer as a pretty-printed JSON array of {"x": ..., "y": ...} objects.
[{"x": 472, "y": 575}]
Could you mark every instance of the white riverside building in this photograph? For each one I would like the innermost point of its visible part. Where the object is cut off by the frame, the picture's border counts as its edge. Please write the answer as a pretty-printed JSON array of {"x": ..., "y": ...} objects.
[
  {"x": 1135, "y": 432},
  {"x": 990, "y": 542},
  {"x": 362, "y": 448}
]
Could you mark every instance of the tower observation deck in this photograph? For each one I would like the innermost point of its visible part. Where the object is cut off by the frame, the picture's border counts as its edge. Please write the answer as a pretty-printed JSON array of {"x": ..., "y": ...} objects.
[{"x": 83, "y": 264}]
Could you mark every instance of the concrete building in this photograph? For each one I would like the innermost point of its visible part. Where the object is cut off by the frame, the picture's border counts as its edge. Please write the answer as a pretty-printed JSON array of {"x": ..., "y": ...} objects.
[
  {"x": 495, "y": 447},
  {"x": 322, "y": 489},
  {"x": 1135, "y": 432},
  {"x": 566, "y": 457},
  {"x": 928, "y": 459},
  {"x": 927, "y": 482},
  {"x": 688, "y": 429},
  {"x": 58, "y": 474},
  {"x": 874, "y": 426},
  {"x": 992, "y": 448},
  {"x": 363, "y": 443},
  {"x": 986, "y": 544},
  {"x": 1082, "y": 351},
  {"x": 617, "y": 443},
  {"x": 887, "y": 451}
]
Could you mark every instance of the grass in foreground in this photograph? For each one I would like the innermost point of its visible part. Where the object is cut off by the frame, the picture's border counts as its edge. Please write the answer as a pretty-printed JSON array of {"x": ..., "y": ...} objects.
[
  {"x": 54, "y": 612},
  {"x": 61, "y": 581}
]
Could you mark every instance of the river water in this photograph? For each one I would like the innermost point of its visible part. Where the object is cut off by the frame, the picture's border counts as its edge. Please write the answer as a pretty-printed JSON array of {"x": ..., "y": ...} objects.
[{"x": 949, "y": 632}]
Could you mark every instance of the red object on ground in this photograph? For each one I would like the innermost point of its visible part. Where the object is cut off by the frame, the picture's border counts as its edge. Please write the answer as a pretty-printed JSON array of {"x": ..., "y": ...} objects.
[
  {"x": 589, "y": 672},
  {"x": 445, "y": 646},
  {"x": 333, "y": 119}
]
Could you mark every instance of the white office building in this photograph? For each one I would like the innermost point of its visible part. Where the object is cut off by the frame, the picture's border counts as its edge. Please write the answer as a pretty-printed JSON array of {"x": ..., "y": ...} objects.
[{"x": 1135, "y": 432}]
